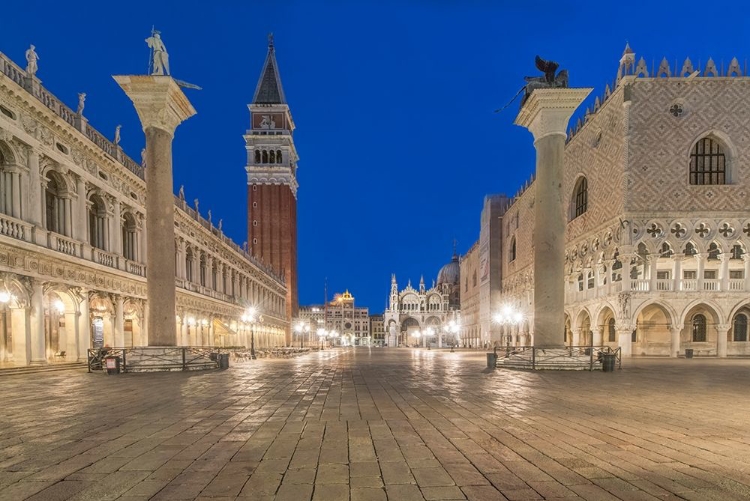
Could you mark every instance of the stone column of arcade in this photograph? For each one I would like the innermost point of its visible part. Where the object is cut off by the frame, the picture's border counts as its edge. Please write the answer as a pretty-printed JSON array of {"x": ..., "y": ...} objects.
[
  {"x": 545, "y": 114},
  {"x": 161, "y": 107}
]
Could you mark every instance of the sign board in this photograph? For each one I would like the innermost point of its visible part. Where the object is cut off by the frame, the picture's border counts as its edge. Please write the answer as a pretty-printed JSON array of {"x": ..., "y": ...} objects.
[{"x": 111, "y": 363}]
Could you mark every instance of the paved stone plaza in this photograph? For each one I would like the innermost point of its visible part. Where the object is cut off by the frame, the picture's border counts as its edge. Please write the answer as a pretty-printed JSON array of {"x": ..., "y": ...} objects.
[{"x": 396, "y": 424}]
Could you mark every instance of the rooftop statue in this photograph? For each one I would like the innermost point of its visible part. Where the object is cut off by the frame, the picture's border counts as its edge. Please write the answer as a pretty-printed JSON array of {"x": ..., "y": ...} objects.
[
  {"x": 31, "y": 61},
  {"x": 549, "y": 80},
  {"x": 159, "y": 64}
]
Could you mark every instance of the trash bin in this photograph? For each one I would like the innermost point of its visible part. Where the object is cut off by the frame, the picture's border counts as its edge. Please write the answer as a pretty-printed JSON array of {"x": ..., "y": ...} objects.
[
  {"x": 608, "y": 362},
  {"x": 491, "y": 360},
  {"x": 213, "y": 356},
  {"x": 223, "y": 360},
  {"x": 112, "y": 364},
  {"x": 688, "y": 353}
]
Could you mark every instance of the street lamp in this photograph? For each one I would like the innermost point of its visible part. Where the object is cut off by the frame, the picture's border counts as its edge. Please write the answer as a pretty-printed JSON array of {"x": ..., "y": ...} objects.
[
  {"x": 251, "y": 317},
  {"x": 300, "y": 328},
  {"x": 508, "y": 316},
  {"x": 417, "y": 334},
  {"x": 322, "y": 336},
  {"x": 333, "y": 335},
  {"x": 452, "y": 328},
  {"x": 429, "y": 333}
]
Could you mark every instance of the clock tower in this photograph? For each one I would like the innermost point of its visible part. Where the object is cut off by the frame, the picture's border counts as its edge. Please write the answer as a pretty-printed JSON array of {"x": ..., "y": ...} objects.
[{"x": 272, "y": 181}]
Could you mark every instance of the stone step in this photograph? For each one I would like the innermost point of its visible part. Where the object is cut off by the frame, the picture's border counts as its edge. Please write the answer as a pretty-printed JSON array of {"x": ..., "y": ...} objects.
[{"x": 31, "y": 369}]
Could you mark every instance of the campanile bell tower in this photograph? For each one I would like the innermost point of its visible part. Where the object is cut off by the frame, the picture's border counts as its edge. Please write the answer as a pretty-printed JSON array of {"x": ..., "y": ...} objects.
[{"x": 272, "y": 180}]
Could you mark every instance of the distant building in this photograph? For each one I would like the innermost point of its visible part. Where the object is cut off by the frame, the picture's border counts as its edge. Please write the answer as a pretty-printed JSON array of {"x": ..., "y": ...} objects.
[
  {"x": 352, "y": 323},
  {"x": 481, "y": 272},
  {"x": 423, "y": 316},
  {"x": 471, "y": 330},
  {"x": 377, "y": 329}
]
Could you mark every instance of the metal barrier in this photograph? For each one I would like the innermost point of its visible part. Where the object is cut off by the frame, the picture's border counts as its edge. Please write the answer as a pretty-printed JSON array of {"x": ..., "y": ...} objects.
[
  {"x": 559, "y": 358},
  {"x": 161, "y": 358}
]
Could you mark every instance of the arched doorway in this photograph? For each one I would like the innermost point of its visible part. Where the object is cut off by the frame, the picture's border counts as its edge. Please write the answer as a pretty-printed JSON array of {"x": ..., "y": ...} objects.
[
  {"x": 606, "y": 328},
  {"x": 409, "y": 328},
  {"x": 699, "y": 329},
  {"x": 652, "y": 335}
]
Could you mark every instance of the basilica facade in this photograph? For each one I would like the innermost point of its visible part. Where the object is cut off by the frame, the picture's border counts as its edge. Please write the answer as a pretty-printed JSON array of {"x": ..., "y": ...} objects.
[
  {"x": 72, "y": 243},
  {"x": 657, "y": 177},
  {"x": 424, "y": 316}
]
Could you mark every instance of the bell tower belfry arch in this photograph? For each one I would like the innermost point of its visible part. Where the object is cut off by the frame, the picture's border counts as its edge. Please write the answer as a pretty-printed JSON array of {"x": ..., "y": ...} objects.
[{"x": 272, "y": 180}]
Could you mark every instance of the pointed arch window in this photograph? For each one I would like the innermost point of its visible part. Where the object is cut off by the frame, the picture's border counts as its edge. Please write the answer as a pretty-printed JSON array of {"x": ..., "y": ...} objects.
[
  {"x": 581, "y": 198},
  {"x": 740, "y": 328},
  {"x": 699, "y": 328},
  {"x": 278, "y": 156},
  {"x": 611, "y": 330},
  {"x": 257, "y": 156},
  {"x": 708, "y": 164},
  {"x": 512, "y": 253}
]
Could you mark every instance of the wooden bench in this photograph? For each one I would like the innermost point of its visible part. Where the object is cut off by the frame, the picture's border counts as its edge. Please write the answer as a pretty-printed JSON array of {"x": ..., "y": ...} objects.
[{"x": 59, "y": 354}]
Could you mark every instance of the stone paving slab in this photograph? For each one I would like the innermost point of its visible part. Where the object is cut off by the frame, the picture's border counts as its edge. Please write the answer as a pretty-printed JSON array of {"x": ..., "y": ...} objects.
[{"x": 380, "y": 424}]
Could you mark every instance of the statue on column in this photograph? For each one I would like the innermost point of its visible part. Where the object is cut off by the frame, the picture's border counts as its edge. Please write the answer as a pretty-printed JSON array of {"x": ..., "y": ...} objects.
[
  {"x": 549, "y": 80},
  {"x": 31, "y": 58},
  {"x": 81, "y": 102},
  {"x": 143, "y": 158},
  {"x": 159, "y": 64},
  {"x": 117, "y": 135}
]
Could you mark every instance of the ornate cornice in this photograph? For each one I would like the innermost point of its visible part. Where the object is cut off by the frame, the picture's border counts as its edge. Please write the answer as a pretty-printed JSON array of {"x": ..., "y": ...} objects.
[
  {"x": 158, "y": 100},
  {"x": 547, "y": 111}
]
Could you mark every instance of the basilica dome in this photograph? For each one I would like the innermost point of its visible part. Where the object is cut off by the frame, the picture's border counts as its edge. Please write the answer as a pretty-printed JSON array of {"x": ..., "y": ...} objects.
[{"x": 450, "y": 273}]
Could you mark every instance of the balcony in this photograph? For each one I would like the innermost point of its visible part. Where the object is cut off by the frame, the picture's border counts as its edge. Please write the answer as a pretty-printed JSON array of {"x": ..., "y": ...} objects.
[{"x": 661, "y": 285}]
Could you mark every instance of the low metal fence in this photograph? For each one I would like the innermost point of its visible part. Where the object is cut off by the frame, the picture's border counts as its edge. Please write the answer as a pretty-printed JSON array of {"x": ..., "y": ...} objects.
[
  {"x": 561, "y": 358},
  {"x": 144, "y": 358}
]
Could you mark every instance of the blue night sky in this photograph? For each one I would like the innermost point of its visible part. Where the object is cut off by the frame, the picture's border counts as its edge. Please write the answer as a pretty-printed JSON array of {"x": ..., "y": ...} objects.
[{"x": 393, "y": 103}]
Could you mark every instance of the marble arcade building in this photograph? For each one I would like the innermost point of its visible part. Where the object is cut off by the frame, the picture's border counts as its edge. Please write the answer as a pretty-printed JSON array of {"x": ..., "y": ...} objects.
[
  {"x": 73, "y": 240},
  {"x": 657, "y": 177}
]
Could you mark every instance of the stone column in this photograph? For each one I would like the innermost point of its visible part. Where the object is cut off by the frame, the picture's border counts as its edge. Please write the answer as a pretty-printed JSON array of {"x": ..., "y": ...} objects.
[
  {"x": 721, "y": 345},
  {"x": 625, "y": 342},
  {"x": 38, "y": 342},
  {"x": 71, "y": 335},
  {"x": 576, "y": 341},
  {"x": 677, "y": 272},
  {"x": 84, "y": 327},
  {"x": 545, "y": 114},
  {"x": 144, "y": 325},
  {"x": 746, "y": 261},
  {"x": 653, "y": 284},
  {"x": 81, "y": 217},
  {"x": 675, "y": 338},
  {"x": 119, "y": 322},
  {"x": 161, "y": 107},
  {"x": 35, "y": 198},
  {"x": 701, "y": 265},
  {"x": 724, "y": 271}
]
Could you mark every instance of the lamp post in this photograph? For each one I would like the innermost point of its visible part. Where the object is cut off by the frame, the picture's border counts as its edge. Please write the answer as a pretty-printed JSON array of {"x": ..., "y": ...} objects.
[
  {"x": 417, "y": 335},
  {"x": 302, "y": 328},
  {"x": 429, "y": 332},
  {"x": 333, "y": 335},
  {"x": 452, "y": 328},
  {"x": 251, "y": 317},
  {"x": 508, "y": 316},
  {"x": 322, "y": 336}
]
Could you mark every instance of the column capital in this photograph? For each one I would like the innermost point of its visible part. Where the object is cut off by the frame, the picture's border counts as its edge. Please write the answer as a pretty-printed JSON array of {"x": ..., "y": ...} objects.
[
  {"x": 158, "y": 99},
  {"x": 547, "y": 111}
]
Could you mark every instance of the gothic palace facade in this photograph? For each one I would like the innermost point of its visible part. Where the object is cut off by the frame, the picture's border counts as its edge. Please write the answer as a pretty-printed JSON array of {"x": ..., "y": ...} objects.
[
  {"x": 72, "y": 244},
  {"x": 658, "y": 182}
]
